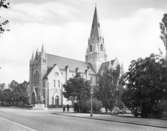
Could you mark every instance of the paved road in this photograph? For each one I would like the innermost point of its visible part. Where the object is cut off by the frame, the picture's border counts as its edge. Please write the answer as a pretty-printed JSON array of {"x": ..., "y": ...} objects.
[{"x": 27, "y": 120}]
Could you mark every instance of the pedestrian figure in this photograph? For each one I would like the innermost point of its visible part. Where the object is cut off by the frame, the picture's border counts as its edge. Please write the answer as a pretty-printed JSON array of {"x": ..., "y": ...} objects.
[
  {"x": 68, "y": 107},
  {"x": 64, "y": 108}
]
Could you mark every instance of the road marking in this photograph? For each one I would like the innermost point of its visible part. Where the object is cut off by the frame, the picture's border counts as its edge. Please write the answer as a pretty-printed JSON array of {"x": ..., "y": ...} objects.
[{"x": 18, "y": 124}]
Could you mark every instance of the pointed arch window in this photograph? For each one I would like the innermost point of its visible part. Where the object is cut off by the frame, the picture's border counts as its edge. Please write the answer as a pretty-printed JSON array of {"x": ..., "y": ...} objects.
[
  {"x": 54, "y": 82},
  {"x": 90, "y": 47},
  {"x": 57, "y": 100},
  {"x": 52, "y": 100},
  {"x": 44, "y": 60},
  {"x": 36, "y": 77},
  {"x": 101, "y": 47}
]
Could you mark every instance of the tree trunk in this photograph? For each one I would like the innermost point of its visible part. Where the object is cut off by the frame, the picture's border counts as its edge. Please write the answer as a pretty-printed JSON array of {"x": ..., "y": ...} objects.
[{"x": 106, "y": 109}]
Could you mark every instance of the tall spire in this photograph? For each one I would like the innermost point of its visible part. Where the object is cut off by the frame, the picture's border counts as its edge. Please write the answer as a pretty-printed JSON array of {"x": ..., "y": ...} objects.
[
  {"x": 32, "y": 57},
  {"x": 95, "y": 31},
  {"x": 95, "y": 54}
]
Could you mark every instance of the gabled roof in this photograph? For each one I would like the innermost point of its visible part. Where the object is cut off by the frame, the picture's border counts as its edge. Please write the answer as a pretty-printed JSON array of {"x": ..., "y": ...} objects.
[
  {"x": 48, "y": 71},
  {"x": 62, "y": 62},
  {"x": 108, "y": 65}
]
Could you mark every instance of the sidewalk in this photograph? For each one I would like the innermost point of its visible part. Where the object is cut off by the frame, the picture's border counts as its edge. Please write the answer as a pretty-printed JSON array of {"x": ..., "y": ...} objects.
[{"x": 121, "y": 119}]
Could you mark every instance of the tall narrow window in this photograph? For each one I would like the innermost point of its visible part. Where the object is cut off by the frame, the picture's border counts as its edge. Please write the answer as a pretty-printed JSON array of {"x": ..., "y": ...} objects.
[
  {"x": 90, "y": 48},
  {"x": 101, "y": 47},
  {"x": 52, "y": 100},
  {"x": 56, "y": 73},
  {"x": 57, "y": 100},
  {"x": 54, "y": 83},
  {"x": 36, "y": 77}
]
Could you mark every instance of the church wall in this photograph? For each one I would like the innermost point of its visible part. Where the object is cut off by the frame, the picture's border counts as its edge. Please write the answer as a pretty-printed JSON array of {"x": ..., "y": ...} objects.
[
  {"x": 71, "y": 75},
  {"x": 35, "y": 78},
  {"x": 54, "y": 88},
  {"x": 55, "y": 81}
]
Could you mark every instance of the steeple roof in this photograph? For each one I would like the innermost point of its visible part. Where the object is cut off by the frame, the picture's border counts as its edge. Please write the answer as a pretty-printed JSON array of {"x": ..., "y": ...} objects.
[{"x": 95, "y": 31}]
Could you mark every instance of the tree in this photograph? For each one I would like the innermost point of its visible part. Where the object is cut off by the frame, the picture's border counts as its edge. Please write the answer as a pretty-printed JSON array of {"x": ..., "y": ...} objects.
[
  {"x": 6, "y": 97},
  {"x": 163, "y": 28},
  {"x": 146, "y": 85},
  {"x": 23, "y": 92},
  {"x": 13, "y": 84},
  {"x": 96, "y": 105},
  {"x": 19, "y": 93},
  {"x": 3, "y": 4},
  {"x": 107, "y": 87},
  {"x": 2, "y": 86},
  {"x": 77, "y": 89},
  {"x": 16, "y": 94}
]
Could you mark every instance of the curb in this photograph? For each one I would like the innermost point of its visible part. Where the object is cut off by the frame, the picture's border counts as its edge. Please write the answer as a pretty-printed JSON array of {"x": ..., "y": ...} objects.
[{"x": 101, "y": 119}]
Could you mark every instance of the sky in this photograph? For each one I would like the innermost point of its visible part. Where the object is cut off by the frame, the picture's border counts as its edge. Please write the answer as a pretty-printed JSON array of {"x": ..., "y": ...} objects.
[{"x": 130, "y": 29}]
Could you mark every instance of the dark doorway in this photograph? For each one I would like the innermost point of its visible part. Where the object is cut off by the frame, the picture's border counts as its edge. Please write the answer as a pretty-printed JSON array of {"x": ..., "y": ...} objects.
[
  {"x": 57, "y": 100},
  {"x": 33, "y": 98}
]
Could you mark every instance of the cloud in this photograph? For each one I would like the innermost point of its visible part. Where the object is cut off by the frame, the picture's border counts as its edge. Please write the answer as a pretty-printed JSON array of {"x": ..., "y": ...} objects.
[
  {"x": 63, "y": 32},
  {"x": 44, "y": 1},
  {"x": 135, "y": 36},
  {"x": 47, "y": 13}
]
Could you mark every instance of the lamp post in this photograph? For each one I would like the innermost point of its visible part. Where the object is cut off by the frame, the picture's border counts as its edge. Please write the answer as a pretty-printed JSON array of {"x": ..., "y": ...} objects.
[
  {"x": 46, "y": 93},
  {"x": 91, "y": 102}
]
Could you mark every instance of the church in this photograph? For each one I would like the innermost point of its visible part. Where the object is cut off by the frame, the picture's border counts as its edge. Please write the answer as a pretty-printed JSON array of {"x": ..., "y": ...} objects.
[{"x": 48, "y": 72}]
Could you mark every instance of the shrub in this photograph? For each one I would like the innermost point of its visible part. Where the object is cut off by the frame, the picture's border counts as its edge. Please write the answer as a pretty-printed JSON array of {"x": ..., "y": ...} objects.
[
  {"x": 163, "y": 105},
  {"x": 86, "y": 106}
]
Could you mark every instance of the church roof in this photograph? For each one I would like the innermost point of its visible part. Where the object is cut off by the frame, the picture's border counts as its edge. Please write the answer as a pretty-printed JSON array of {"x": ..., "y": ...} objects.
[
  {"x": 49, "y": 70},
  {"x": 62, "y": 62},
  {"x": 108, "y": 65}
]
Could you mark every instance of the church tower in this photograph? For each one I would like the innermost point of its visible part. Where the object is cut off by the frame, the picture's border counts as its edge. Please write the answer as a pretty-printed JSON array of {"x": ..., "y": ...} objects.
[
  {"x": 38, "y": 69},
  {"x": 96, "y": 53}
]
